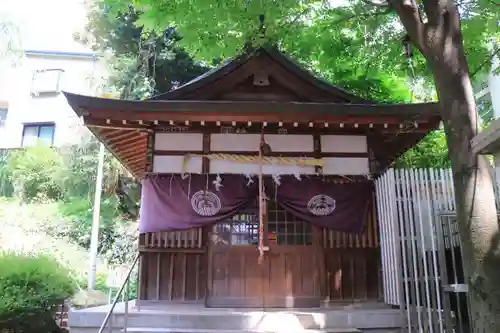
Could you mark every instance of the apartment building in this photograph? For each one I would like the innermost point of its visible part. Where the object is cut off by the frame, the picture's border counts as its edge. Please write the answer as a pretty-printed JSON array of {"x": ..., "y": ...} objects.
[{"x": 32, "y": 106}]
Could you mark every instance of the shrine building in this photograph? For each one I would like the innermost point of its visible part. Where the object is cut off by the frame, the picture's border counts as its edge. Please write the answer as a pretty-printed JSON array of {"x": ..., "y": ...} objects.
[{"x": 257, "y": 184}]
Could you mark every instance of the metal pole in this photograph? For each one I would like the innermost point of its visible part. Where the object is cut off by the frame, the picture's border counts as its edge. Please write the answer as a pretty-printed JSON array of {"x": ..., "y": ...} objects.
[
  {"x": 94, "y": 240},
  {"x": 125, "y": 319}
]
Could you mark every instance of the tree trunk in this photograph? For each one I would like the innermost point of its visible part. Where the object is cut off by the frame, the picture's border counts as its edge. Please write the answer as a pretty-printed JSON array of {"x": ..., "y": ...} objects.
[
  {"x": 439, "y": 38},
  {"x": 474, "y": 194}
]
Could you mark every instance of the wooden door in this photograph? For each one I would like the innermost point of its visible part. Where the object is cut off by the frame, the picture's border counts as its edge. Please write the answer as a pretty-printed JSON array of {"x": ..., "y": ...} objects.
[
  {"x": 291, "y": 270},
  {"x": 288, "y": 277},
  {"x": 235, "y": 275}
]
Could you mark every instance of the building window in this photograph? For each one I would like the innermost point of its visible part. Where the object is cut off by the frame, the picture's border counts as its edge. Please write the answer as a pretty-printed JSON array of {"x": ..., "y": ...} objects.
[
  {"x": 46, "y": 81},
  {"x": 3, "y": 115},
  {"x": 283, "y": 228},
  {"x": 241, "y": 229},
  {"x": 34, "y": 134}
]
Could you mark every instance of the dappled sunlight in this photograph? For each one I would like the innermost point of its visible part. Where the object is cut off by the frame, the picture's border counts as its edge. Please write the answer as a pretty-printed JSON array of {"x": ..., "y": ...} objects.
[
  {"x": 337, "y": 280},
  {"x": 285, "y": 321}
]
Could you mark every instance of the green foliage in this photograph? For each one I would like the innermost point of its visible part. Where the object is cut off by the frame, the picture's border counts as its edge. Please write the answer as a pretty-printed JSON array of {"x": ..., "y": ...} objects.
[
  {"x": 30, "y": 286},
  {"x": 11, "y": 51},
  {"x": 57, "y": 174},
  {"x": 67, "y": 175},
  {"x": 117, "y": 236},
  {"x": 431, "y": 152},
  {"x": 354, "y": 45},
  {"x": 219, "y": 29},
  {"x": 27, "y": 228},
  {"x": 6, "y": 187},
  {"x": 78, "y": 223},
  {"x": 31, "y": 173},
  {"x": 142, "y": 64}
]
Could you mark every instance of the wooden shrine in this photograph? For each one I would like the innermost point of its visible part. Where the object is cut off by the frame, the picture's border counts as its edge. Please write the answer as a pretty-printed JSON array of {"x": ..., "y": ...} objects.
[{"x": 215, "y": 125}]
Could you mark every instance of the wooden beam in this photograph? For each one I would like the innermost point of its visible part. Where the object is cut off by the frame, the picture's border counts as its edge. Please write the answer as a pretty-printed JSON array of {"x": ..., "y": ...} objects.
[
  {"x": 205, "y": 163},
  {"x": 295, "y": 127},
  {"x": 132, "y": 137},
  {"x": 117, "y": 135},
  {"x": 288, "y": 111},
  {"x": 131, "y": 149},
  {"x": 108, "y": 133},
  {"x": 136, "y": 162},
  {"x": 318, "y": 118},
  {"x": 317, "y": 151},
  {"x": 136, "y": 165},
  {"x": 132, "y": 152},
  {"x": 150, "y": 152},
  {"x": 115, "y": 124}
]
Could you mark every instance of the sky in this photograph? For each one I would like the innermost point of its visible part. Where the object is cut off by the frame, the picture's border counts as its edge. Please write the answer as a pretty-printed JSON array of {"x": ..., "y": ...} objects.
[{"x": 46, "y": 25}]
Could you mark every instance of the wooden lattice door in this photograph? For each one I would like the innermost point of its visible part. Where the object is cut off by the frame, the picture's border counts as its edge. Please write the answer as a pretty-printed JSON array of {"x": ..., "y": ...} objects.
[
  {"x": 288, "y": 275},
  {"x": 292, "y": 264},
  {"x": 235, "y": 275}
]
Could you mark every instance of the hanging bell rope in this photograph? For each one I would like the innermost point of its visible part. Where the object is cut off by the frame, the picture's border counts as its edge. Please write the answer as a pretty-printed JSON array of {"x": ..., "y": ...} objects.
[{"x": 261, "y": 197}]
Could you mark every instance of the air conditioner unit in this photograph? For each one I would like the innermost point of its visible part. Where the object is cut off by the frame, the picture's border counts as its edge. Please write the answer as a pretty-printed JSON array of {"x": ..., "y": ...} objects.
[{"x": 46, "y": 81}]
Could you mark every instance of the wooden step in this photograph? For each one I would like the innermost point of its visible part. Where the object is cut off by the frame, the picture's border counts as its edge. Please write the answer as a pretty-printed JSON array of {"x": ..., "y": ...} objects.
[{"x": 190, "y": 330}]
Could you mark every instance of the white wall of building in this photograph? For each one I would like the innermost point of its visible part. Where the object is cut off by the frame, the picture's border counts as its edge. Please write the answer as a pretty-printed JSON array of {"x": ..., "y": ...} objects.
[
  {"x": 494, "y": 87},
  {"x": 46, "y": 28},
  {"x": 81, "y": 73}
]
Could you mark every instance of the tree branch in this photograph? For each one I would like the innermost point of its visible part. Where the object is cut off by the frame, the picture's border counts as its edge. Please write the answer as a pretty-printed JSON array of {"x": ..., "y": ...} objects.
[
  {"x": 411, "y": 19},
  {"x": 359, "y": 15},
  {"x": 487, "y": 61},
  {"x": 299, "y": 15}
]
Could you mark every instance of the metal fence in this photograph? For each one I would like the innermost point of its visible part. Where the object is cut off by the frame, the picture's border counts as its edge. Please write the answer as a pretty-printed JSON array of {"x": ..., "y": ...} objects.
[{"x": 421, "y": 249}]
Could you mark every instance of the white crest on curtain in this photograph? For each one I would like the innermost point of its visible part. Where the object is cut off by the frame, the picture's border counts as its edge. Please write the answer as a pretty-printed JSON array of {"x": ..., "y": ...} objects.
[
  {"x": 321, "y": 205},
  {"x": 206, "y": 203}
]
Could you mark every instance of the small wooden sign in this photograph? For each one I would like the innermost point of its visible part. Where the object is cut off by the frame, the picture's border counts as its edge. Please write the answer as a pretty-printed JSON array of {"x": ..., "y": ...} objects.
[{"x": 272, "y": 238}]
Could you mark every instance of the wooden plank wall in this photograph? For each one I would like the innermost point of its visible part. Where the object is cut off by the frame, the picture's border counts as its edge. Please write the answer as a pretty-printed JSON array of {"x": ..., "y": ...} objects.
[
  {"x": 353, "y": 263},
  {"x": 173, "y": 266}
]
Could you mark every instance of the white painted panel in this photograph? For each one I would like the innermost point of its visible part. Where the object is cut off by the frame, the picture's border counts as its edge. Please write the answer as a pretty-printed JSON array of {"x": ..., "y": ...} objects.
[
  {"x": 251, "y": 142},
  {"x": 234, "y": 142},
  {"x": 345, "y": 166},
  {"x": 219, "y": 166},
  {"x": 179, "y": 141},
  {"x": 343, "y": 144},
  {"x": 291, "y": 142},
  {"x": 174, "y": 164}
]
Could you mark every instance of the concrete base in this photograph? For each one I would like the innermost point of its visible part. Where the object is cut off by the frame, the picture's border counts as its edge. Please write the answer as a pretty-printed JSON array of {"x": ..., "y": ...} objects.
[{"x": 195, "y": 318}]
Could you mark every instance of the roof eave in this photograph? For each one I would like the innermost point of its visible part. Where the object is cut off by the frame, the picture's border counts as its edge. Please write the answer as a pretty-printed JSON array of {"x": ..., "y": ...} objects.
[{"x": 83, "y": 104}]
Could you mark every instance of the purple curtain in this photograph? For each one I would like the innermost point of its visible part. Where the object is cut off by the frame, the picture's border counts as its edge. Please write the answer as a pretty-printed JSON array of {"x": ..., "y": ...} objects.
[
  {"x": 174, "y": 203},
  {"x": 341, "y": 207}
]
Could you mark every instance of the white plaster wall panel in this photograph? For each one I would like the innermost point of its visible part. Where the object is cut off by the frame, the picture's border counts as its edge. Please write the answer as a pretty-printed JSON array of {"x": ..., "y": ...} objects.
[
  {"x": 345, "y": 166},
  {"x": 344, "y": 144},
  {"x": 291, "y": 142},
  {"x": 175, "y": 164},
  {"x": 235, "y": 142},
  {"x": 179, "y": 141},
  {"x": 220, "y": 166},
  {"x": 251, "y": 142}
]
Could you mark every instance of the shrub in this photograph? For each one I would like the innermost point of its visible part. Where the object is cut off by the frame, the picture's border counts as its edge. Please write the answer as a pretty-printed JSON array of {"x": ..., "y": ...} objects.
[
  {"x": 31, "y": 285},
  {"x": 32, "y": 173}
]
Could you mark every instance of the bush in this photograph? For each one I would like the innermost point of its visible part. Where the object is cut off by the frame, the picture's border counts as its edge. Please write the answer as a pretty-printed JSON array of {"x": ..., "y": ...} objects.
[
  {"x": 30, "y": 286},
  {"x": 32, "y": 173}
]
